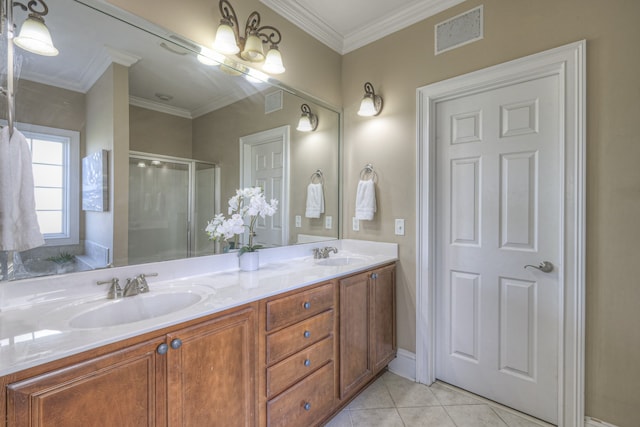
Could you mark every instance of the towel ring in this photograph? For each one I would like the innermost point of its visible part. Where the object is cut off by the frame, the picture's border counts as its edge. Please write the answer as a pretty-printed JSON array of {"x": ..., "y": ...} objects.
[
  {"x": 367, "y": 173},
  {"x": 318, "y": 176}
]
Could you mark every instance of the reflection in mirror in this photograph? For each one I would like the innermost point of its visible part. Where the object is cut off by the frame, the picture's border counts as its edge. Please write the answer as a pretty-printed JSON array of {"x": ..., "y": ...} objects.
[{"x": 140, "y": 93}]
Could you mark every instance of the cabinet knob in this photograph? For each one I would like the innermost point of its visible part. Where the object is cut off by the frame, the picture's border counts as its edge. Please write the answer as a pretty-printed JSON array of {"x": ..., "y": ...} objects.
[
  {"x": 307, "y": 305},
  {"x": 307, "y": 334},
  {"x": 162, "y": 349},
  {"x": 307, "y": 362},
  {"x": 374, "y": 275},
  {"x": 176, "y": 343},
  {"x": 307, "y": 406}
]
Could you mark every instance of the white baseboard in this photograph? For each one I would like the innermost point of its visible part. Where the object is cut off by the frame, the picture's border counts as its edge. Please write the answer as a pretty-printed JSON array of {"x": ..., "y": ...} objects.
[
  {"x": 594, "y": 422},
  {"x": 405, "y": 365}
]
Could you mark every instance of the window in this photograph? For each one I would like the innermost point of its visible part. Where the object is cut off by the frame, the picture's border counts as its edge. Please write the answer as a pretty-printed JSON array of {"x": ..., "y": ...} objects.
[{"x": 56, "y": 164}]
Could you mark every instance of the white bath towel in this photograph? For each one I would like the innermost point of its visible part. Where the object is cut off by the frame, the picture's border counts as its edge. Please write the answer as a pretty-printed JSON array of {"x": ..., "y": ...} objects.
[
  {"x": 365, "y": 200},
  {"x": 19, "y": 229},
  {"x": 315, "y": 201}
]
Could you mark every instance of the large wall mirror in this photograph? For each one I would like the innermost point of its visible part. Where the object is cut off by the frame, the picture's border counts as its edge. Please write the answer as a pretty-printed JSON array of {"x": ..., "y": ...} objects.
[{"x": 136, "y": 144}]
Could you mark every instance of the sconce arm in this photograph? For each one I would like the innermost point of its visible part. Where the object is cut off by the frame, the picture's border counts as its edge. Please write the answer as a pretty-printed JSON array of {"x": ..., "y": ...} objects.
[{"x": 229, "y": 15}]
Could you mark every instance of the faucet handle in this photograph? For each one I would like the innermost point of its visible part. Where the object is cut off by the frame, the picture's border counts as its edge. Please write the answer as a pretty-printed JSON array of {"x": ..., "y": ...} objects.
[
  {"x": 143, "y": 286},
  {"x": 115, "y": 291}
]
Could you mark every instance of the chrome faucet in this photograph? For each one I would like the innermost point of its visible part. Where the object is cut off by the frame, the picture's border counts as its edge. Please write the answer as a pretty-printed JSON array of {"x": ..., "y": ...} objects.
[
  {"x": 137, "y": 285},
  {"x": 131, "y": 288},
  {"x": 320, "y": 253},
  {"x": 115, "y": 291}
]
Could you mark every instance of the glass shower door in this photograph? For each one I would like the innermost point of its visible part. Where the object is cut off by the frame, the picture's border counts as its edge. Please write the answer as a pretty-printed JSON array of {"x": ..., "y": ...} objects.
[
  {"x": 204, "y": 207},
  {"x": 158, "y": 209}
]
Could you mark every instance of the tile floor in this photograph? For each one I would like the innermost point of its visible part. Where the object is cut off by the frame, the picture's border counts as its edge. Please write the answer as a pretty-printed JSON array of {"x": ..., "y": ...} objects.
[{"x": 395, "y": 401}]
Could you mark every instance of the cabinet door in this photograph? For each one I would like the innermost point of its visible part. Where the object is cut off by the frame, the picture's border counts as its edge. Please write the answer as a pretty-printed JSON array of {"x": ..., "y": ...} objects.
[
  {"x": 211, "y": 372},
  {"x": 355, "y": 366},
  {"x": 118, "y": 389},
  {"x": 383, "y": 317}
]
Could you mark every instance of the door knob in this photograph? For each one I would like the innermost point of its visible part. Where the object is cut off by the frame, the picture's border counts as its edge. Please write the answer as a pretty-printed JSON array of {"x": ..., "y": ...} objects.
[{"x": 544, "y": 266}]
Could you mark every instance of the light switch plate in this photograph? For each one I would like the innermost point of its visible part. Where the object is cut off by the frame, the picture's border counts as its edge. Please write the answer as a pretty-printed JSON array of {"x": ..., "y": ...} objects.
[
  {"x": 328, "y": 222},
  {"x": 399, "y": 227},
  {"x": 298, "y": 221},
  {"x": 355, "y": 224}
]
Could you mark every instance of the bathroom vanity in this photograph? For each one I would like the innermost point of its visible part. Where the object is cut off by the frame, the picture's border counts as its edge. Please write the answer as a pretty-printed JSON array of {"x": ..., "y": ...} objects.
[{"x": 288, "y": 345}]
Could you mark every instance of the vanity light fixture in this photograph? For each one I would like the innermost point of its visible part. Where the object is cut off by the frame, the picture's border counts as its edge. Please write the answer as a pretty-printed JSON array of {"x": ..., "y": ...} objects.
[
  {"x": 249, "y": 47},
  {"x": 34, "y": 35},
  {"x": 371, "y": 104},
  {"x": 308, "y": 121}
]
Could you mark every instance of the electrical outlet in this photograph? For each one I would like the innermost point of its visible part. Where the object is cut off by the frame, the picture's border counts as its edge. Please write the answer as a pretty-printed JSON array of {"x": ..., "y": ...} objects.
[
  {"x": 328, "y": 222},
  {"x": 355, "y": 224},
  {"x": 399, "y": 227},
  {"x": 298, "y": 221}
]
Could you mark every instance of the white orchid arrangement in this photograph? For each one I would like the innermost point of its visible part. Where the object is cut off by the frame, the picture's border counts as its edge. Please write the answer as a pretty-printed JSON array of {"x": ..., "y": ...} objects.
[{"x": 249, "y": 202}]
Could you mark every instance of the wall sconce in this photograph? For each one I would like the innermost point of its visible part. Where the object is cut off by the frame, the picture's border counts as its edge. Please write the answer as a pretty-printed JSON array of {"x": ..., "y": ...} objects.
[
  {"x": 371, "y": 104},
  {"x": 308, "y": 121},
  {"x": 249, "y": 47},
  {"x": 34, "y": 35}
]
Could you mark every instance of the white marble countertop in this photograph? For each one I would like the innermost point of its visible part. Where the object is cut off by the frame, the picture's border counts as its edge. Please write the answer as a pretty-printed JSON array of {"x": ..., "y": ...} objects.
[{"x": 40, "y": 319}]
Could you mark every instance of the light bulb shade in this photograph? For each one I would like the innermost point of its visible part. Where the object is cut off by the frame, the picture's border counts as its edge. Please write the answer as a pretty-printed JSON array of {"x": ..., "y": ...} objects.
[
  {"x": 273, "y": 62},
  {"x": 371, "y": 104},
  {"x": 253, "y": 51},
  {"x": 225, "y": 40},
  {"x": 308, "y": 121},
  {"x": 35, "y": 37},
  {"x": 367, "y": 107},
  {"x": 304, "y": 124}
]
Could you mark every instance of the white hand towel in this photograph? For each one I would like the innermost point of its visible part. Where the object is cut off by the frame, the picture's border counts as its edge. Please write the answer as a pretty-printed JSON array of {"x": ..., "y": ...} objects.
[
  {"x": 365, "y": 200},
  {"x": 315, "y": 201},
  {"x": 19, "y": 229}
]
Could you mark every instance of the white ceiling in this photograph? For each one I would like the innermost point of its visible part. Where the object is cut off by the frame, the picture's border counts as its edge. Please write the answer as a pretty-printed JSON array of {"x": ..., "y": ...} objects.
[{"x": 346, "y": 25}]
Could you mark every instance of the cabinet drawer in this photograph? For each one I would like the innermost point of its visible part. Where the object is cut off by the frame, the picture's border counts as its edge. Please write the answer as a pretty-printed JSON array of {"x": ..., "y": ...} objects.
[
  {"x": 305, "y": 403},
  {"x": 301, "y": 364},
  {"x": 288, "y": 310},
  {"x": 296, "y": 337}
]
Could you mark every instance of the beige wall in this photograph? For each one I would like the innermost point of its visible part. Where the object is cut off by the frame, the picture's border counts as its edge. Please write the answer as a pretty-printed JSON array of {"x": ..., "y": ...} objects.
[
  {"x": 404, "y": 61},
  {"x": 108, "y": 129},
  {"x": 159, "y": 133}
]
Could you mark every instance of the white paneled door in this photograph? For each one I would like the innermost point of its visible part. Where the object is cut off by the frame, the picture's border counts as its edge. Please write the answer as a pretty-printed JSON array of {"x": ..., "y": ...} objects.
[
  {"x": 498, "y": 208},
  {"x": 265, "y": 161}
]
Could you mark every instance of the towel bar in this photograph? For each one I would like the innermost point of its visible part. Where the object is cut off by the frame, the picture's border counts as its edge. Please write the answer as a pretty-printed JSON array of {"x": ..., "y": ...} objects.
[
  {"x": 367, "y": 173},
  {"x": 319, "y": 176}
]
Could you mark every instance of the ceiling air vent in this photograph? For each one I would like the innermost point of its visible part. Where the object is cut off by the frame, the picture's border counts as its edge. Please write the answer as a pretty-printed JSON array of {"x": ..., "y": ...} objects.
[
  {"x": 459, "y": 30},
  {"x": 273, "y": 102}
]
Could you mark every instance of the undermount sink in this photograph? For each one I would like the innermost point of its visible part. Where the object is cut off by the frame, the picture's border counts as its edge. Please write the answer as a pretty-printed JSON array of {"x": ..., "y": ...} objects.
[
  {"x": 135, "y": 309},
  {"x": 337, "y": 261}
]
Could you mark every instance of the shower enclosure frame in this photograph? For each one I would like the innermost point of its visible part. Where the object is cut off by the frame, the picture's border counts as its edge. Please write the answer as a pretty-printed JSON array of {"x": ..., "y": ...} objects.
[{"x": 191, "y": 196}]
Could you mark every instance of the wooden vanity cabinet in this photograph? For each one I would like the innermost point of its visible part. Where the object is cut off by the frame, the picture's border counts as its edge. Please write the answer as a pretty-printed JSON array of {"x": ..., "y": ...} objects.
[
  {"x": 202, "y": 374},
  {"x": 292, "y": 359},
  {"x": 367, "y": 327},
  {"x": 117, "y": 389},
  {"x": 298, "y": 357}
]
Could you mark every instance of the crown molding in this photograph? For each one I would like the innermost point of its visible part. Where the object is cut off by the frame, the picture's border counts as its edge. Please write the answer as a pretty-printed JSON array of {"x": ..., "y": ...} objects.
[
  {"x": 402, "y": 18},
  {"x": 372, "y": 31},
  {"x": 157, "y": 106},
  {"x": 306, "y": 21}
]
